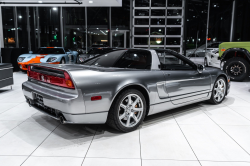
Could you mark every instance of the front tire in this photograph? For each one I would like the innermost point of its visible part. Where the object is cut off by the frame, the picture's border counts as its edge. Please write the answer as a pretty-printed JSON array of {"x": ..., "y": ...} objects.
[
  {"x": 128, "y": 111},
  {"x": 219, "y": 91},
  {"x": 62, "y": 61},
  {"x": 237, "y": 69},
  {"x": 205, "y": 62}
]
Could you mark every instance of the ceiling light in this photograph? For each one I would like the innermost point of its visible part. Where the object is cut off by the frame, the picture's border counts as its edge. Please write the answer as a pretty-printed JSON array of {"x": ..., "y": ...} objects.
[
  {"x": 97, "y": 28},
  {"x": 20, "y": 17},
  {"x": 54, "y": 8},
  {"x": 40, "y": 1},
  {"x": 90, "y": 1}
]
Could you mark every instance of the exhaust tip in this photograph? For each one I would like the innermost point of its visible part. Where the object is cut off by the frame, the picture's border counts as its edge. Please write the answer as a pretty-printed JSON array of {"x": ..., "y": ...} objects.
[
  {"x": 62, "y": 121},
  {"x": 29, "y": 102}
]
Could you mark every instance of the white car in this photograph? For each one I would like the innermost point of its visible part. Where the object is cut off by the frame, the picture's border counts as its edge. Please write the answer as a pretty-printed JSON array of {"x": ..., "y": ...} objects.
[
  {"x": 211, "y": 46},
  {"x": 211, "y": 58}
]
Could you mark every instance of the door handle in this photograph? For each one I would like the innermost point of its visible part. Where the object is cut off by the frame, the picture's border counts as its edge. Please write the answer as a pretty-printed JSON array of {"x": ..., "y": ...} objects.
[{"x": 167, "y": 74}]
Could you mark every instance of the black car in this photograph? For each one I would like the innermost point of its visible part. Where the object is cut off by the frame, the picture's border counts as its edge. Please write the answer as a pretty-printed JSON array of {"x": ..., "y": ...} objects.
[{"x": 93, "y": 52}]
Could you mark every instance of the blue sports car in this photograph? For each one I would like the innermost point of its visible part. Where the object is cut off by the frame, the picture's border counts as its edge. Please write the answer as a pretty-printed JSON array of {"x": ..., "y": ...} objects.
[{"x": 52, "y": 55}]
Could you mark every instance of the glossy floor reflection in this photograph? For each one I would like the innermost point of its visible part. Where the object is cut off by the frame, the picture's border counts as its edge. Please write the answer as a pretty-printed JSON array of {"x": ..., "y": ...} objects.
[{"x": 198, "y": 134}]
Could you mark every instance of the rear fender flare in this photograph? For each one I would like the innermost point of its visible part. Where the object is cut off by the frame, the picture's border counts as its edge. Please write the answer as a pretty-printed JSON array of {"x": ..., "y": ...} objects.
[{"x": 244, "y": 51}]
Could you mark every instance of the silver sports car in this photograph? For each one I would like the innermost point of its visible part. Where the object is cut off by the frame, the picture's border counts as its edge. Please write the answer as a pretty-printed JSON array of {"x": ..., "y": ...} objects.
[{"x": 122, "y": 87}]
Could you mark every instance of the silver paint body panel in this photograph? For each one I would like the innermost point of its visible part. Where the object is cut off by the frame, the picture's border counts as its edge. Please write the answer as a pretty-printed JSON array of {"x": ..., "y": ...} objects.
[{"x": 165, "y": 89}]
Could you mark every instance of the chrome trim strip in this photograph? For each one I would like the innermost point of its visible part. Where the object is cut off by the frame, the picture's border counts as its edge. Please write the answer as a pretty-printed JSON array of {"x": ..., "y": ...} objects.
[
  {"x": 185, "y": 80},
  {"x": 6, "y": 78},
  {"x": 7, "y": 68}
]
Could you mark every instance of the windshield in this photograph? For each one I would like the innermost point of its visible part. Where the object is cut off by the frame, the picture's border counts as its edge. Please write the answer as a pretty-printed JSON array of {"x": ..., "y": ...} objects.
[
  {"x": 136, "y": 59},
  {"x": 50, "y": 51}
]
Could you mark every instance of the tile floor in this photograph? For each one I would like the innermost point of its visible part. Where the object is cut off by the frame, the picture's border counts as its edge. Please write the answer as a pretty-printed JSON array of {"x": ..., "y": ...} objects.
[{"x": 198, "y": 134}]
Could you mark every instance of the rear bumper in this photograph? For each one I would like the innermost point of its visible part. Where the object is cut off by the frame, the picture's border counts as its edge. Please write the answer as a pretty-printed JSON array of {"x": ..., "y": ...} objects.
[{"x": 56, "y": 103}]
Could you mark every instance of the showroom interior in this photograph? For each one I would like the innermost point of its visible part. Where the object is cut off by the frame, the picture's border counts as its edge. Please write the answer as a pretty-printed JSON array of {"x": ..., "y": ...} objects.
[{"x": 178, "y": 96}]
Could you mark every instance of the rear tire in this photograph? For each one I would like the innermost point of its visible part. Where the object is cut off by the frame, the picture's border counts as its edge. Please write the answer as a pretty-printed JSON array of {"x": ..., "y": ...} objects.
[
  {"x": 127, "y": 111},
  {"x": 219, "y": 91},
  {"x": 237, "y": 69}
]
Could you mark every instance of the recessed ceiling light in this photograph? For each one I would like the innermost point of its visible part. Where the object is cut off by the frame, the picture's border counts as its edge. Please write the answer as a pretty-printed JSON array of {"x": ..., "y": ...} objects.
[
  {"x": 20, "y": 17},
  {"x": 40, "y": 1},
  {"x": 90, "y": 1},
  {"x": 54, "y": 8}
]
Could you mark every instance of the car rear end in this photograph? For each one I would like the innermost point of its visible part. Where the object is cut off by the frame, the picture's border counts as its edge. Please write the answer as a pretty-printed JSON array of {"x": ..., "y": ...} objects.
[{"x": 52, "y": 90}]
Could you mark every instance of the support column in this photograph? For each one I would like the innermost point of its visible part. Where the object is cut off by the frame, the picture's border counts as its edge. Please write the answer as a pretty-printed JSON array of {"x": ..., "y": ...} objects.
[
  {"x": 38, "y": 28},
  {"x": 109, "y": 27},
  {"x": 208, "y": 11},
  {"x": 15, "y": 25},
  {"x": 86, "y": 29},
  {"x": 132, "y": 2},
  {"x": 232, "y": 22},
  {"x": 1, "y": 31},
  {"x": 61, "y": 27},
  {"x": 28, "y": 28}
]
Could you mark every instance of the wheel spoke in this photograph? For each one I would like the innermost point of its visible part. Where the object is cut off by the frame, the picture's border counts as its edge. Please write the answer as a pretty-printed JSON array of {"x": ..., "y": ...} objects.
[
  {"x": 135, "y": 102},
  {"x": 128, "y": 121},
  {"x": 137, "y": 109},
  {"x": 129, "y": 99},
  {"x": 135, "y": 118},
  {"x": 122, "y": 116},
  {"x": 123, "y": 106},
  {"x": 216, "y": 95}
]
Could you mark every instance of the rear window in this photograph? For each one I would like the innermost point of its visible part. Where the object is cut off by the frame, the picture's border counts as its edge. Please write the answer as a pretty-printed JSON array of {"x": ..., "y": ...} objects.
[{"x": 136, "y": 59}]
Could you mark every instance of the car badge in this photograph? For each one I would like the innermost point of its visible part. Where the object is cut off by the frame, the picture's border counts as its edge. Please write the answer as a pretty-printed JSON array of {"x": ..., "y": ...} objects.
[{"x": 42, "y": 78}]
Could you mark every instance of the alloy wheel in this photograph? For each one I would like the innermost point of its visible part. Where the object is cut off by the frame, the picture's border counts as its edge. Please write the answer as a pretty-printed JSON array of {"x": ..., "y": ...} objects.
[
  {"x": 130, "y": 110},
  {"x": 236, "y": 69},
  {"x": 219, "y": 90}
]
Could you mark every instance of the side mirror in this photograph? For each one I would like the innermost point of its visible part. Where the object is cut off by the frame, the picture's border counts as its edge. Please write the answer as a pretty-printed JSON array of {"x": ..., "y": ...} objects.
[
  {"x": 67, "y": 53},
  {"x": 200, "y": 68},
  {"x": 30, "y": 52}
]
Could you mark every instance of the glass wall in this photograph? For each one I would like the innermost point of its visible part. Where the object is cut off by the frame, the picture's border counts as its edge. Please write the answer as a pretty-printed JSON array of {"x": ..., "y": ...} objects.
[
  {"x": 242, "y": 22},
  {"x": 8, "y": 27},
  {"x": 196, "y": 23},
  {"x": 74, "y": 27},
  {"x": 220, "y": 18},
  {"x": 49, "y": 26},
  {"x": 155, "y": 24},
  {"x": 98, "y": 26}
]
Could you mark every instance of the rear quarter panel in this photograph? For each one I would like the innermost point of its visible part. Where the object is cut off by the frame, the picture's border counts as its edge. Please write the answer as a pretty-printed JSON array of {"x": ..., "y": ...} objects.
[{"x": 109, "y": 83}]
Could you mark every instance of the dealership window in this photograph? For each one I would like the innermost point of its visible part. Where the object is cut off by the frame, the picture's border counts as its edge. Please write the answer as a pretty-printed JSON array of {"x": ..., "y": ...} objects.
[
  {"x": 142, "y": 3},
  {"x": 97, "y": 26},
  {"x": 49, "y": 21},
  {"x": 8, "y": 27},
  {"x": 120, "y": 16},
  {"x": 196, "y": 23},
  {"x": 220, "y": 20},
  {"x": 22, "y": 26},
  {"x": 74, "y": 27},
  {"x": 242, "y": 23}
]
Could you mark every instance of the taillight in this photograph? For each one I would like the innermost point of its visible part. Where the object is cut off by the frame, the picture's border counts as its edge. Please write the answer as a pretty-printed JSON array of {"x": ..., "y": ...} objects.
[
  {"x": 68, "y": 80},
  {"x": 65, "y": 81},
  {"x": 28, "y": 71}
]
